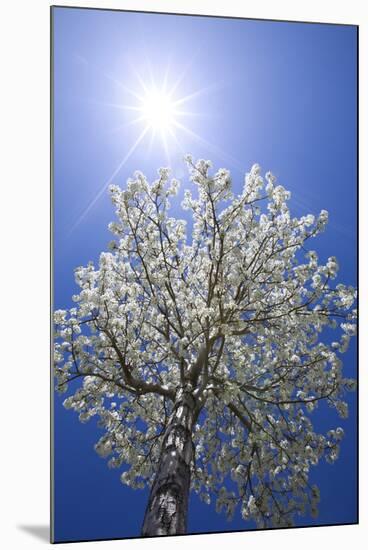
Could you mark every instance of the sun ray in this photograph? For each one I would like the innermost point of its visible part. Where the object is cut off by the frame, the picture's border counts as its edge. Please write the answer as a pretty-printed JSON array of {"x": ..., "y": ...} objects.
[
  {"x": 123, "y": 87},
  {"x": 140, "y": 80},
  {"x": 175, "y": 137},
  {"x": 150, "y": 144},
  {"x": 166, "y": 78},
  {"x": 133, "y": 122},
  {"x": 150, "y": 72},
  {"x": 120, "y": 106},
  {"x": 210, "y": 146},
  {"x": 188, "y": 65},
  {"x": 194, "y": 114},
  {"x": 166, "y": 148},
  {"x": 198, "y": 93},
  {"x": 111, "y": 78},
  {"x": 109, "y": 181}
]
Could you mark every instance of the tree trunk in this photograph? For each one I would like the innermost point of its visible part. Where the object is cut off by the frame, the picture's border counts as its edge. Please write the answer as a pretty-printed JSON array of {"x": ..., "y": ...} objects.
[{"x": 166, "y": 512}]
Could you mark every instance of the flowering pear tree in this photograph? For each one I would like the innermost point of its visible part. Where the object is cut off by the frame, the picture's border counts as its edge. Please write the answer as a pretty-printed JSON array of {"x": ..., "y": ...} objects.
[{"x": 202, "y": 349}]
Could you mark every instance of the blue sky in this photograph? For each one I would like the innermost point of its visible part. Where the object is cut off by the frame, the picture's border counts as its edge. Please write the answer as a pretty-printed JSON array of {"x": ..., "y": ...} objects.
[{"x": 279, "y": 94}]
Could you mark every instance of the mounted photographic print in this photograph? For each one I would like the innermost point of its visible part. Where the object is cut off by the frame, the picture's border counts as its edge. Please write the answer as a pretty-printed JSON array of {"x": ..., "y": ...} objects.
[{"x": 204, "y": 176}]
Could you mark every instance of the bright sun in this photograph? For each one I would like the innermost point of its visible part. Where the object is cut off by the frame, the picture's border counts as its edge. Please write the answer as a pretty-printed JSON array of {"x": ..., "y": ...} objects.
[
  {"x": 158, "y": 110},
  {"x": 160, "y": 113}
]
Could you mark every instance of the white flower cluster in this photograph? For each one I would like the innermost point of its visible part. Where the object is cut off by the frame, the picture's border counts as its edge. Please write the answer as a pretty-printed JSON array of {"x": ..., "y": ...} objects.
[{"x": 232, "y": 309}]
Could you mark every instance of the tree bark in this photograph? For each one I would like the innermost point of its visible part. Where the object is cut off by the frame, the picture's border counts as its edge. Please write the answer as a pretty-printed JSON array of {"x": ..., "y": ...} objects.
[{"x": 166, "y": 512}]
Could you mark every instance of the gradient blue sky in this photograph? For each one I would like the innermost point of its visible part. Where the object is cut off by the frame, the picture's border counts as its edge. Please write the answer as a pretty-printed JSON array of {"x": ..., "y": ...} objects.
[{"x": 279, "y": 94}]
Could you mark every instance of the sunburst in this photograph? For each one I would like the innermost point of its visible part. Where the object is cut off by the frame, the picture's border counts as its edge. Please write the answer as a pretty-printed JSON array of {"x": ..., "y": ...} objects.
[{"x": 160, "y": 112}]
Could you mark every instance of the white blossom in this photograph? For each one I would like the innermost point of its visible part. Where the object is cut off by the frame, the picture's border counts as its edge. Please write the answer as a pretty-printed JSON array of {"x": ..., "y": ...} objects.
[{"x": 230, "y": 305}]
